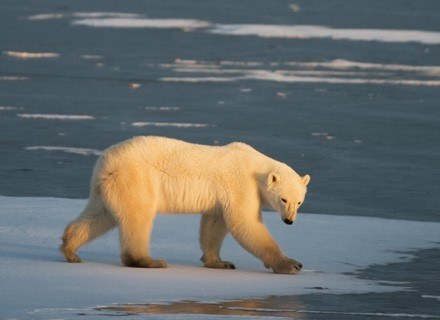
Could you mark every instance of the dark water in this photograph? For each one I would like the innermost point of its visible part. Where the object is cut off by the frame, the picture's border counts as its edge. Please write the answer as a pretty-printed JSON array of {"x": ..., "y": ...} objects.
[{"x": 369, "y": 139}]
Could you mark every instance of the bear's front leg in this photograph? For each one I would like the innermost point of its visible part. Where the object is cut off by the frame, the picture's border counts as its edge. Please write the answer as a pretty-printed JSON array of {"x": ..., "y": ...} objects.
[{"x": 250, "y": 232}]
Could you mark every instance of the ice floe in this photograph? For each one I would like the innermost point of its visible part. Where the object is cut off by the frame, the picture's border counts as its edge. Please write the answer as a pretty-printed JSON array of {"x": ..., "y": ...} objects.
[
  {"x": 72, "y": 150},
  {"x": 333, "y": 72},
  {"x": 322, "y": 32},
  {"x": 332, "y": 248},
  {"x": 55, "y": 116},
  {"x": 31, "y": 55},
  {"x": 186, "y": 24},
  {"x": 132, "y": 20},
  {"x": 170, "y": 124}
]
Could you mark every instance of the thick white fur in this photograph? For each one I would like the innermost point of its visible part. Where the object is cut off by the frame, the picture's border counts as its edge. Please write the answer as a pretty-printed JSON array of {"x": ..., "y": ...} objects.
[{"x": 134, "y": 180}]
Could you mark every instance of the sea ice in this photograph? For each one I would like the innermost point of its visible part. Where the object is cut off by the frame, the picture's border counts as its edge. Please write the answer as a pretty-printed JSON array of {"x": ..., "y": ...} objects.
[{"x": 332, "y": 248}]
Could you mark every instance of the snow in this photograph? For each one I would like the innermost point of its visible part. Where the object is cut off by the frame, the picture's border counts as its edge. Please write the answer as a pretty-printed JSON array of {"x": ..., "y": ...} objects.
[
  {"x": 130, "y": 20},
  {"x": 13, "y": 78},
  {"x": 162, "y": 108},
  {"x": 169, "y": 124},
  {"x": 320, "y": 32},
  {"x": 7, "y": 108},
  {"x": 55, "y": 116},
  {"x": 72, "y": 150},
  {"x": 31, "y": 55},
  {"x": 347, "y": 64},
  {"x": 335, "y": 72},
  {"x": 197, "y": 79},
  {"x": 37, "y": 284}
]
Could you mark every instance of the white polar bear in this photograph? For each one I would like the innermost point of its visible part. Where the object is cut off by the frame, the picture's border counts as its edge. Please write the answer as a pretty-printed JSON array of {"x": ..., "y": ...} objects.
[{"x": 134, "y": 180}]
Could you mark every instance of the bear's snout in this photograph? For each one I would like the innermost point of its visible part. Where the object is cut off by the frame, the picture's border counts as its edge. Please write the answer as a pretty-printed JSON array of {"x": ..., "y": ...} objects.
[{"x": 287, "y": 221}]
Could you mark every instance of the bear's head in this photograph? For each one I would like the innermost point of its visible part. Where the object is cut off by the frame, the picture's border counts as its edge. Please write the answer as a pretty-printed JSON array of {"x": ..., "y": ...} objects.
[{"x": 285, "y": 193}]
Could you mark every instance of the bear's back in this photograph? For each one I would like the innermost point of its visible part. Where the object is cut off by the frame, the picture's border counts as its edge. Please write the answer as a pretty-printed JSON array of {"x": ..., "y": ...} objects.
[{"x": 176, "y": 157}]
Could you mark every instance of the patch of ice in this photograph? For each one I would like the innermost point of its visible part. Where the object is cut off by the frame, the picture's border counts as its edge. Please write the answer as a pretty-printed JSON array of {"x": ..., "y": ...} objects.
[
  {"x": 122, "y": 20},
  {"x": 80, "y": 151},
  {"x": 198, "y": 79},
  {"x": 280, "y": 77},
  {"x": 105, "y": 15},
  {"x": 13, "y": 78},
  {"x": 132, "y": 20},
  {"x": 267, "y": 75},
  {"x": 55, "y": 16},
  {"x": 347, "y": 64},
  {"x": 425, "y": 296},
  {"x": 336, "y": 71},
  {"x": 322, "y": 32},
  {"x": 134, "y": 85},
  {"x": 47, "y": 16},
  {"x": 55, "y": 116},
  {"x": 241, "y": 63},
  {"x": 137, "y": 22},
  {"x": 186, "y": 62},
  {"x": 31, "y": 55},
  {"x": 162, "y": 108},
  {"x": 7, "y": 108},
  {"x": 323, "y": 135},
  {"x": 91, "y": 57},
  {"x": 332, "y": 249},
  {"x": 295, "y": 7},
  {"x": 170, "y": 124}
]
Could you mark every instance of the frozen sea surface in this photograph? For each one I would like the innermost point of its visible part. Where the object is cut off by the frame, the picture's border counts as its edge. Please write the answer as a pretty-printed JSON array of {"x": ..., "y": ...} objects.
[{"x": 38, "y": 284}]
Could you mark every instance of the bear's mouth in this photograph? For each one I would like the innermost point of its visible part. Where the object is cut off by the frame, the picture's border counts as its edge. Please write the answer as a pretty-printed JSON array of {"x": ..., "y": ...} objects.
[{"x": 287, "y": 221}]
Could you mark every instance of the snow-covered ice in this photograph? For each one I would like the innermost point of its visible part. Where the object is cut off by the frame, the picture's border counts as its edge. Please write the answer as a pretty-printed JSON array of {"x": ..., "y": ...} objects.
[
  {"x": 55, "y": 116},
  {"x": 36, "y": 282},
  {"x": 169, "y": 124},
  {"x": 31, "y": 55},
  {"x": 72, "y": 150},
  {"x": 336, "y": 71},
  {"x": 320, "y": 32},
  {"x": 131, "y": 20}
]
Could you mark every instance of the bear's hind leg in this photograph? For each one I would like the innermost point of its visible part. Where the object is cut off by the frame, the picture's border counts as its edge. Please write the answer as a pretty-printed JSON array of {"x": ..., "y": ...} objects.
[
  {"x": 88, "y": 226},
  {"x": 212, "y": 232},
  {"x": 135, "y": 225}
]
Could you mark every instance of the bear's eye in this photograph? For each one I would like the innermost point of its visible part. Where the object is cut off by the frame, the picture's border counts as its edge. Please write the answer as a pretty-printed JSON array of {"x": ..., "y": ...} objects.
[
  {"x": 283, "y": 200},
  {"x": 299, "y": 203}
]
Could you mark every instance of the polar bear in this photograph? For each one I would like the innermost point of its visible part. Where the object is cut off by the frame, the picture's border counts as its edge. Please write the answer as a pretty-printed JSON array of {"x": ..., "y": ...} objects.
[{"x": 140, "y": 177}]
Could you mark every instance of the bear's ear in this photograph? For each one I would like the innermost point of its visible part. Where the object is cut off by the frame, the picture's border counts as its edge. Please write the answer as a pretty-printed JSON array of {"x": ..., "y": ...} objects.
[
  {"x": 272, "y": 178},
  {"x": 306, "y": 179}
]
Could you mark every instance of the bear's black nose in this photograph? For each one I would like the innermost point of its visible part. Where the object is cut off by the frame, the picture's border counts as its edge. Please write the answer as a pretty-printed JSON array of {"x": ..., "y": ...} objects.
[{"x": 287, "y": 221}]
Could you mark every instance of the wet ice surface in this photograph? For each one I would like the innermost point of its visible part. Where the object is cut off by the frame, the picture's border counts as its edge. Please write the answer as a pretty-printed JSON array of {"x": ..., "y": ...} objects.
[{"x": 336, "y": 252}]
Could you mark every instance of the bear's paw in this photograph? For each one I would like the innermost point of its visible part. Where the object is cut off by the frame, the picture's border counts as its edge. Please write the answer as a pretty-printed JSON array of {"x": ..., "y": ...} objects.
[
  {"x": 149, "y": 262},
  {"x": 287, "y": 266}
]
